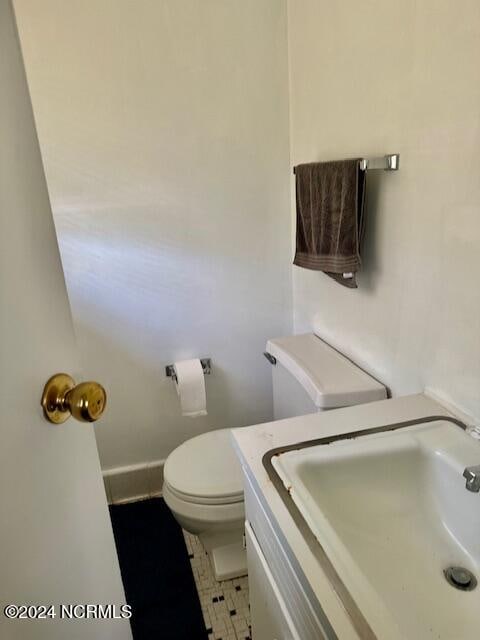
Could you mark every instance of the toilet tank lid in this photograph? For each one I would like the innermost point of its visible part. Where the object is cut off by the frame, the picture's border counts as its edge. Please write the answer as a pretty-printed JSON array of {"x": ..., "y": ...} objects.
[{"x": 329, "y": 378}]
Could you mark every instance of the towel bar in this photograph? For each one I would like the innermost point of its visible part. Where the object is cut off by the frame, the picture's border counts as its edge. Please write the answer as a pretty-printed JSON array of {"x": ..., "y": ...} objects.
[{"x": 389, "y": 162}]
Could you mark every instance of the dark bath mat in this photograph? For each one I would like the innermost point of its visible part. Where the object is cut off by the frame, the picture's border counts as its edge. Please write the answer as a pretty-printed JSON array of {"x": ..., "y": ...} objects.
[{"x": 156, "y": 573}]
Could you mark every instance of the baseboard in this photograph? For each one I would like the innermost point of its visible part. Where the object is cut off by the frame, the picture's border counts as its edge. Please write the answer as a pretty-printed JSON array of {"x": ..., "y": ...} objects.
[{"x": 134, "y": 482}]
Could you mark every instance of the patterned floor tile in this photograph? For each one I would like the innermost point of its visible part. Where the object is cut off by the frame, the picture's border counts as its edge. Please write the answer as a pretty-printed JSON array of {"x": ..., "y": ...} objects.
[{"x": 225, "y": 607}]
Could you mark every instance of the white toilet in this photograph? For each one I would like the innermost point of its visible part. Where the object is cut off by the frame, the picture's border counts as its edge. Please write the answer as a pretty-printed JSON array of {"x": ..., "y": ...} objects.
[{"x": 202, "y": 477}]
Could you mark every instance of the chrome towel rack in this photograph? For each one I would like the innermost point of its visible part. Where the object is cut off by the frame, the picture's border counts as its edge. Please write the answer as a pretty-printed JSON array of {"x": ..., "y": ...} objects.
[{"x": 390, "y": 162}]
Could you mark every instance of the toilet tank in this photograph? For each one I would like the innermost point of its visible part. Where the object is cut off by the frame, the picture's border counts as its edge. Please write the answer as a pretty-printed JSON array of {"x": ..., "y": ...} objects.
[{"x": 308, "y": 375}]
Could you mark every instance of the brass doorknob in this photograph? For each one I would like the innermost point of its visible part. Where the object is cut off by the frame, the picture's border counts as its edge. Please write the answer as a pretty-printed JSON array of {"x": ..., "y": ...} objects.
[{"x": 62, "y": 398}]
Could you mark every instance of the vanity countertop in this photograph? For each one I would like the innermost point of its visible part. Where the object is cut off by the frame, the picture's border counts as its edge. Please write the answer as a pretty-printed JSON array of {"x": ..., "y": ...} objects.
[{"x": 251, "y": 443}]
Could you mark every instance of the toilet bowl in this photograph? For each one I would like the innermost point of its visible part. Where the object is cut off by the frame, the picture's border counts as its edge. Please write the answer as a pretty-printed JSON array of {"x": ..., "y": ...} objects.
[
  {"x": 203, "y": 484},
  {"x": 203, "y": 489}
]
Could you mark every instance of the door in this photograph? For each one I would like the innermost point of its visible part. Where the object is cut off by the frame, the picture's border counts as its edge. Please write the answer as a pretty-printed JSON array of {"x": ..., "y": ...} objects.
[{"x": 56, "y": 542}]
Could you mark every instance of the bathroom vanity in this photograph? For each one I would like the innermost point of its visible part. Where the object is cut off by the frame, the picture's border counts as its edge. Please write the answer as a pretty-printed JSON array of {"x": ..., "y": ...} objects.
[{"x": 320, "y": 565}]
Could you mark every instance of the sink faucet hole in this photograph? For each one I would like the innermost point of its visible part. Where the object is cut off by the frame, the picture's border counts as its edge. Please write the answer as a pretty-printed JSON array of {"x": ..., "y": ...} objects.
[{"x": 460, "y": 578}]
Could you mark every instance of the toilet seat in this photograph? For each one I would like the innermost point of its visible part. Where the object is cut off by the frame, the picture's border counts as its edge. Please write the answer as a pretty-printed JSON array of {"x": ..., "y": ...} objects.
[
  {"x": 205, "y": 470},
  {"x": 197, "y": 517},
  {"x": 206, "y": 500}
]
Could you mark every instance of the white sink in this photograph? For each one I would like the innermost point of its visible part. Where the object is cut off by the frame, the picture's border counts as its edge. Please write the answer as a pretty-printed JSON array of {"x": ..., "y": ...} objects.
[{"x": 391, "y": 512}]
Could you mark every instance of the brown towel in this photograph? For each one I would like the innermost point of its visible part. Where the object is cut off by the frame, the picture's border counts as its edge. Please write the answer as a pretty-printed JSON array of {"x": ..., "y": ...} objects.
[{"x": 330, "y": 199}]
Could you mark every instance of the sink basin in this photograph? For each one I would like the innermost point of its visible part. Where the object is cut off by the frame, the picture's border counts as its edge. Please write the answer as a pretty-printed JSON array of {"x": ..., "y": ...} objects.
[{"x": 391, "y": 513}]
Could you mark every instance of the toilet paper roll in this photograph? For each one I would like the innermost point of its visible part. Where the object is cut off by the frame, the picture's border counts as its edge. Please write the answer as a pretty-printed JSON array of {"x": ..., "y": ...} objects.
[{"x": 190, "y": 385}]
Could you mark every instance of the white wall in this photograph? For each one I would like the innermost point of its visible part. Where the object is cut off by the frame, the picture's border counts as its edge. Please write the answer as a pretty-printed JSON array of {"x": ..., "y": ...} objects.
[
  {"x": 164, "y": 132},
  {"x": 376, "y": 77}
]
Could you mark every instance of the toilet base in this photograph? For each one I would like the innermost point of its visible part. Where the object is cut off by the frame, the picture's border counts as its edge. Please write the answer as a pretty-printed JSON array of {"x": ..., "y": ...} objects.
[
  {"x": 226, "y": 552},
  {"x": 229, "y": 561},
  {"x": 219, "y": 527}
]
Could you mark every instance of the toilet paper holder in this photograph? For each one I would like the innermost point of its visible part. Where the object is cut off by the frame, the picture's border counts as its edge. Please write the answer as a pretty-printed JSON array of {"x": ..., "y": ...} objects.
[{"x": 206, "y": 366}]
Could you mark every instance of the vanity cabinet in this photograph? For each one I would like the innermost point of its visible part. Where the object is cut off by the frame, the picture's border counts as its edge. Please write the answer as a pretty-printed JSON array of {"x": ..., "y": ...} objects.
[
  {"x": 283, "y": 607},
  {"x": 270, "y": 617}
]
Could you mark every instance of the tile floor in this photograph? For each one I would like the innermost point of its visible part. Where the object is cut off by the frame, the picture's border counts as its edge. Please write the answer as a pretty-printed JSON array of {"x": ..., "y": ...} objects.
[{"x": 224, "y": 604}]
